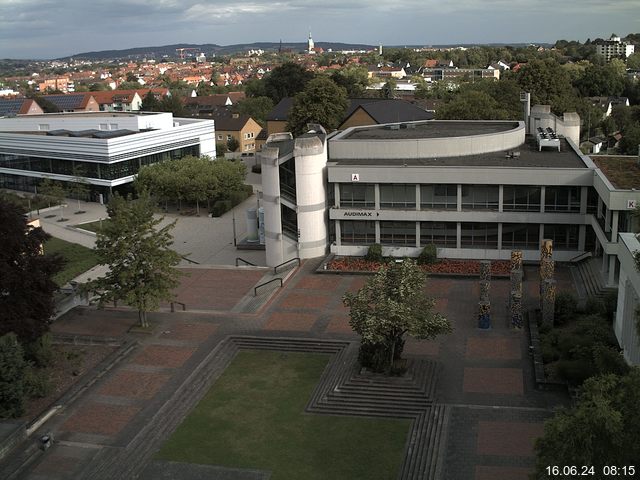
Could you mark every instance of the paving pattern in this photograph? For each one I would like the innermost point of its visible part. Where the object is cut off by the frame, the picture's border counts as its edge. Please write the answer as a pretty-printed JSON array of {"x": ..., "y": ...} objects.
[{"x": 480, "y": 411}]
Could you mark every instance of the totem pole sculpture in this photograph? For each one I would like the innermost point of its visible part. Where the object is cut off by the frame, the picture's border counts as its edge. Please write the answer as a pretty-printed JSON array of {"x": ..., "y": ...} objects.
[
  {"x": 515, "y": 299},
  {"x": 484, "y": 305},
  {"x": 547, "y": 282}
]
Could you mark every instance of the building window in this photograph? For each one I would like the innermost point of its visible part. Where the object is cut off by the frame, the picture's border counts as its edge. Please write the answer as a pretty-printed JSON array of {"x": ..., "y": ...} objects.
[
  {"x": 592, "y": 201},
  {"x": 479, "y": 235},
  {"x": 113, "y": 126},
  {"x": 104, "y": 126},
  {"x": 439, "y": 197},
  {"x": 562, "y": 199},
  {"x": 43, "y": 127},
  {"x": 398, "y": 196},
  {"x": 289, "y": 222},
  {"x": 357, "y": 195},
  {"x": 398, "y": 233},
  {"x": 219, "y": 137},
  {"x": 288, "y": 179},
  {"x": 353, "y": 232},
  {"x": 441, "y": 234},
  {"x": 228, "y": 137},
  {"x": 480, "y": 197},
  {"x": 518, "y": 198},
  {"x": 518, "y": 235},
  {"x": 565, "y": 237}
]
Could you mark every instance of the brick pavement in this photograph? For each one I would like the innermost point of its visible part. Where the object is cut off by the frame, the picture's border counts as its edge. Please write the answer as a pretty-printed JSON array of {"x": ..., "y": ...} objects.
[{"x": 485, "y": 368}]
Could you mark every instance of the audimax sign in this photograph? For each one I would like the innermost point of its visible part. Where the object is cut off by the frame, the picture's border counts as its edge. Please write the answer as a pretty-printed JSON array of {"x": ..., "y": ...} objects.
[{"x": 360, "y": 214}]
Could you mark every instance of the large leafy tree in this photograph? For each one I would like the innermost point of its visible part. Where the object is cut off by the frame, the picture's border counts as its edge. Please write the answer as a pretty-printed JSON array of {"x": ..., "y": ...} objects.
[
  {"x": 393, "y": 304},
  {"x": 548, "y": 83},
  {"x": 286, "y": 80},
  {"x": 354, "y": 79},
  {"x": 322, "y": 101},
  {"x": 600, "y": 430},
  {"x": 26, "y": 285},
  {"x": 12, "y": 369},
  {"x": 473, "y": 105},
  {"x": 141, "y": 262},
  {"x": 256, "y": 107}
]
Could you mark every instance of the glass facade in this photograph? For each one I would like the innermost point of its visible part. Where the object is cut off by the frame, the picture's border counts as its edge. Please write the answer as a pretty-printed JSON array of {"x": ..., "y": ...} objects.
[
  {"x": 357, "y": 195},
  {"x": 562, "y": 199},
  {"x": 288, "y": 179},
  {"x": 480, "y": 197},
  {"x": 97, "y": 170},
  {"x": 479, "y": 235},
  {"x": 439, "y": 197},
  {"x": 520, "y": 198},
  {"x": 518, "y": 235},
  {"x": 565, "y": 237},
  {"x": 441, "y": 234},
  {"x": 289, "y": 222},
  {"x": 357, "y": 233},
  {"x": 398, "y": 196},
  {"x": 398, "y": 233}
]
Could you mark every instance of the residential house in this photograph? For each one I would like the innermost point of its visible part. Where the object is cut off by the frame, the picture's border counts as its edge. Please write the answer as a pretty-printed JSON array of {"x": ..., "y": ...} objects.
[
  {"x": 210, "y": 105},
  {"x": 118, "y": 100},
  {"x": 74, "y": 102},
  {"x": 19, "y": 106},
  {"x": 241, "y": 127},
  {"x": 62, "y": 84}
]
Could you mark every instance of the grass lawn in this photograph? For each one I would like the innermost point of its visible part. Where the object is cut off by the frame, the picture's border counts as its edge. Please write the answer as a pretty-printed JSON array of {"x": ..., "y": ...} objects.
[
  {"x": 253, "y": 417},
  {"x": 92, "y": 226},
  {"x": 79, "y": 259}
]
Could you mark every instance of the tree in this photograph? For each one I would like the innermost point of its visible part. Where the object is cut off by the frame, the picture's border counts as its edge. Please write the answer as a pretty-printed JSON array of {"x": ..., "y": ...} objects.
[
  {"x": 630, "y": 142},
  {"x": 12, "y": 372},
  {"x": 79, "y": 186},
  {"x": 54, "y": 193},
  {"x": 150, "y": 103},
  {"x": 472, "y": 105},
  {"x": 233, "y": 144},
  {"x": 322, "y": 101},
  {"x": 633, "y": 61},
  {"x": 286, "y": 80},
  {"x": 172, "y": 103},
  {"x": 606, "y": 80},
  {"x": 389, "y": 88},
  {"x": 141, "y": 263},
  {"x": 256, "y": 107},
  {"x": 353, "y": 78},
  {"x": 26, "y": 285},
  {"x": 221, "y": 149},
  {"x": 600, "y": 430},
  {"x": 547, "y": 82},
  {"x": 389, "y": 306}
]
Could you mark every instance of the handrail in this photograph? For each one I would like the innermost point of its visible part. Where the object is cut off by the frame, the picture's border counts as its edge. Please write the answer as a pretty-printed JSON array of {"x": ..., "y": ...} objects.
[
  {"x": 582, "y": 256},
  {"x": 255, "y": 290},
  {"x": 184, "y": 306},
  {"x": 245, "y": 261},
  {"x": 275, "y": 269},
  {"x": 189, "y": 260}
]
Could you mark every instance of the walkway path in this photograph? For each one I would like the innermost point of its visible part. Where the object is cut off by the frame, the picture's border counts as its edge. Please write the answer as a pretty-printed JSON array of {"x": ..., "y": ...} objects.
[{"x": 494, "y": 412}]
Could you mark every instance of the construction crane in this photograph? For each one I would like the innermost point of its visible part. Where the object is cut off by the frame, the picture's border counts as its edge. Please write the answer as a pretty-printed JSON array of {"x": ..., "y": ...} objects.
[{"x": 182, "y": 50}]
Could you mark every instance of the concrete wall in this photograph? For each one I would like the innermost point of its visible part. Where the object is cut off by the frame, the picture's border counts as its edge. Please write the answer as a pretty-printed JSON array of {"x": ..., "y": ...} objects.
[
  {"x": 274, "y": 245},
  {"x": 628, "y": 295}
]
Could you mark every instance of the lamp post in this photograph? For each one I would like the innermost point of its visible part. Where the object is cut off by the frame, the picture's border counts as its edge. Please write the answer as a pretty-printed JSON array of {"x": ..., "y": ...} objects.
[{"x": 233, "y": 219}]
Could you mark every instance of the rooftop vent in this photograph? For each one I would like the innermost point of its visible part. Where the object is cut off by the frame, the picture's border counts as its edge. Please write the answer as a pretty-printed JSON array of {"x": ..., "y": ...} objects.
[{"x": 393, "y": 126}]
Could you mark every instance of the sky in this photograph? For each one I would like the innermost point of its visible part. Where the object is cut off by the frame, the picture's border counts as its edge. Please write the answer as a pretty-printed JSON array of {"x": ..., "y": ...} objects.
[{"x": 56, "y": 28}]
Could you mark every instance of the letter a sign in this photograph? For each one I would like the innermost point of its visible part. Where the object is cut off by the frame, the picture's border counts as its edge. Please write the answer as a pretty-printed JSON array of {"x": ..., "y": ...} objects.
[{"x": 355, "y": 177}]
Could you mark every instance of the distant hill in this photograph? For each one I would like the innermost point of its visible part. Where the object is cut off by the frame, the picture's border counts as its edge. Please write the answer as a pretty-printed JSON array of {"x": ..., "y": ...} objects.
[{"x": 207, "y": 49}]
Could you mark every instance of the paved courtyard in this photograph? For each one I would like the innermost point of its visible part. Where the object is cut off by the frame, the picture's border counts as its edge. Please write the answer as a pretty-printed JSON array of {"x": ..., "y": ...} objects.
[{"x": 486, "y": 379}]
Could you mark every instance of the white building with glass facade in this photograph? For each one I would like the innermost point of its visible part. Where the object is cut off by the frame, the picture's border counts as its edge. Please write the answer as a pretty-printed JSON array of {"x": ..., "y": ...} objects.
[{"x": 105, "y": 148}]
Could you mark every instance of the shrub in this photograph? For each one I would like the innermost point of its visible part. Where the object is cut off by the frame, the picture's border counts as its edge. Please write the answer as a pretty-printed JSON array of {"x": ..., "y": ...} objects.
[
  {"x": 40, "y": 351},
  {"x": 36, "y": 382},
  {"x": 220, "y": 207},
  {"x": 609, "y": 360},
  {"x": 375, "y": 253},
  {"x": 566, "y": 308},
  {"x": 12, "y": 367},
  {"x": 595, "y": 306},
  {"x": 428, "y": 255},
  {"x": 576, "y": 371},
  {"x": 375, "y": 356}
]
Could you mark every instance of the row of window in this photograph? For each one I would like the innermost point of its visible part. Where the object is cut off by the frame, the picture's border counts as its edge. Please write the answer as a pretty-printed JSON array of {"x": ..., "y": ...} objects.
[
  {"x": 472, "y": 235},
  {"x": 105, "y": 171},
  {"x": 516, "y": 198}
]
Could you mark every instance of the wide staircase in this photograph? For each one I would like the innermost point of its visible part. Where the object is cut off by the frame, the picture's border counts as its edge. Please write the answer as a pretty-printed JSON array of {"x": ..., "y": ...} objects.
[{"x": 589, "y": 274}]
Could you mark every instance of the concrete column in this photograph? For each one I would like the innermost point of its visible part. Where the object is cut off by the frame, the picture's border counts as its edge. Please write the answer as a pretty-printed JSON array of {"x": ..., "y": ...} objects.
[
  {"x": 336, "y": 194},
  {"x": 584, "y": 194},
  {"x": 376, "y": 196},
  {"x": 607, "y": 221},
  {"x": 271, "y": 204},
  {"x": 377, "y": 231},
  {"x": 582, "y": 236},
  {"x": 500, "y": 202},
  {"x": 459, "y": 198},
  {"x": 418, "y": 197},
  {"x": 338, "y": 232},
  {"x": 500, "y": 230},
  {"x": 611, "y": 279},
  {"x": 599, "y": 206},
  {"x": 605, "y": 263},
  {"x": 541, "y": 236},
  {"x": 614, "y": 226},
  {"x": 418, "y": 234},
  {"x": 543, "y": 192},
  {"x": 458, "y": 235}
]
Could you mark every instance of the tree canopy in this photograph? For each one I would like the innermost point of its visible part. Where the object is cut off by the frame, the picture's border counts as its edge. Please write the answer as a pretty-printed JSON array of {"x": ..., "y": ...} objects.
[
  {"x": 393, "y": 304},
  {"x": 141, "y": 263},
  {"x": 286, "y": 80},
  {"x": 322, "y": 101},
  {"x": 600, "y": 430},
  {"x": 353, "y": 78},
  {"x": 26, "y": 285}
]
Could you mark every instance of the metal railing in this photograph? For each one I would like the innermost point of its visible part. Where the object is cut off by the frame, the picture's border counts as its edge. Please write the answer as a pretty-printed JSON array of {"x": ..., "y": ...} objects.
[
  {"x": 189, "y": 260},
  {"x": 255, "y": 290},
  {"x": 580, "y": 257},
  {"x": 238, "y": 259},
  {"x": 296, "y": 259},
  {"x": 173, "y": 308}
]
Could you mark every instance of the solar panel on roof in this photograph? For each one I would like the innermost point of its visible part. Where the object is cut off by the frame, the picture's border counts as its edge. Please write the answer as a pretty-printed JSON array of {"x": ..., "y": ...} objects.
[
  {"x": 11, "y": 107},
  {"x": 66, "y": 102}
]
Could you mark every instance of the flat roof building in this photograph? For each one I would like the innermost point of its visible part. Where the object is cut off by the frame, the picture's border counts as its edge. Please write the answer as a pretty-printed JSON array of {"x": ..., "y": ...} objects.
[{"x": 107, "y": 149}]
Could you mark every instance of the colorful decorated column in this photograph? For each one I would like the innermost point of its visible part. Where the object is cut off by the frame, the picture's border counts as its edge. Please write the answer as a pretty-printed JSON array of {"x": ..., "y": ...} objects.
[
  {"x": 484, "y": 305},
  {"x": 484, "y": 315},
  {"x": 516, "y": 309},
  {"x": 516, "y": 259},
  {"x": 548, "y": 301}
]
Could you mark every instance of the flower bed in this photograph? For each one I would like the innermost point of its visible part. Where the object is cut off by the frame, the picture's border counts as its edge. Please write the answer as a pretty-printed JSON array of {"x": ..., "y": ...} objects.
[{"x": 444, "y": 267}]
